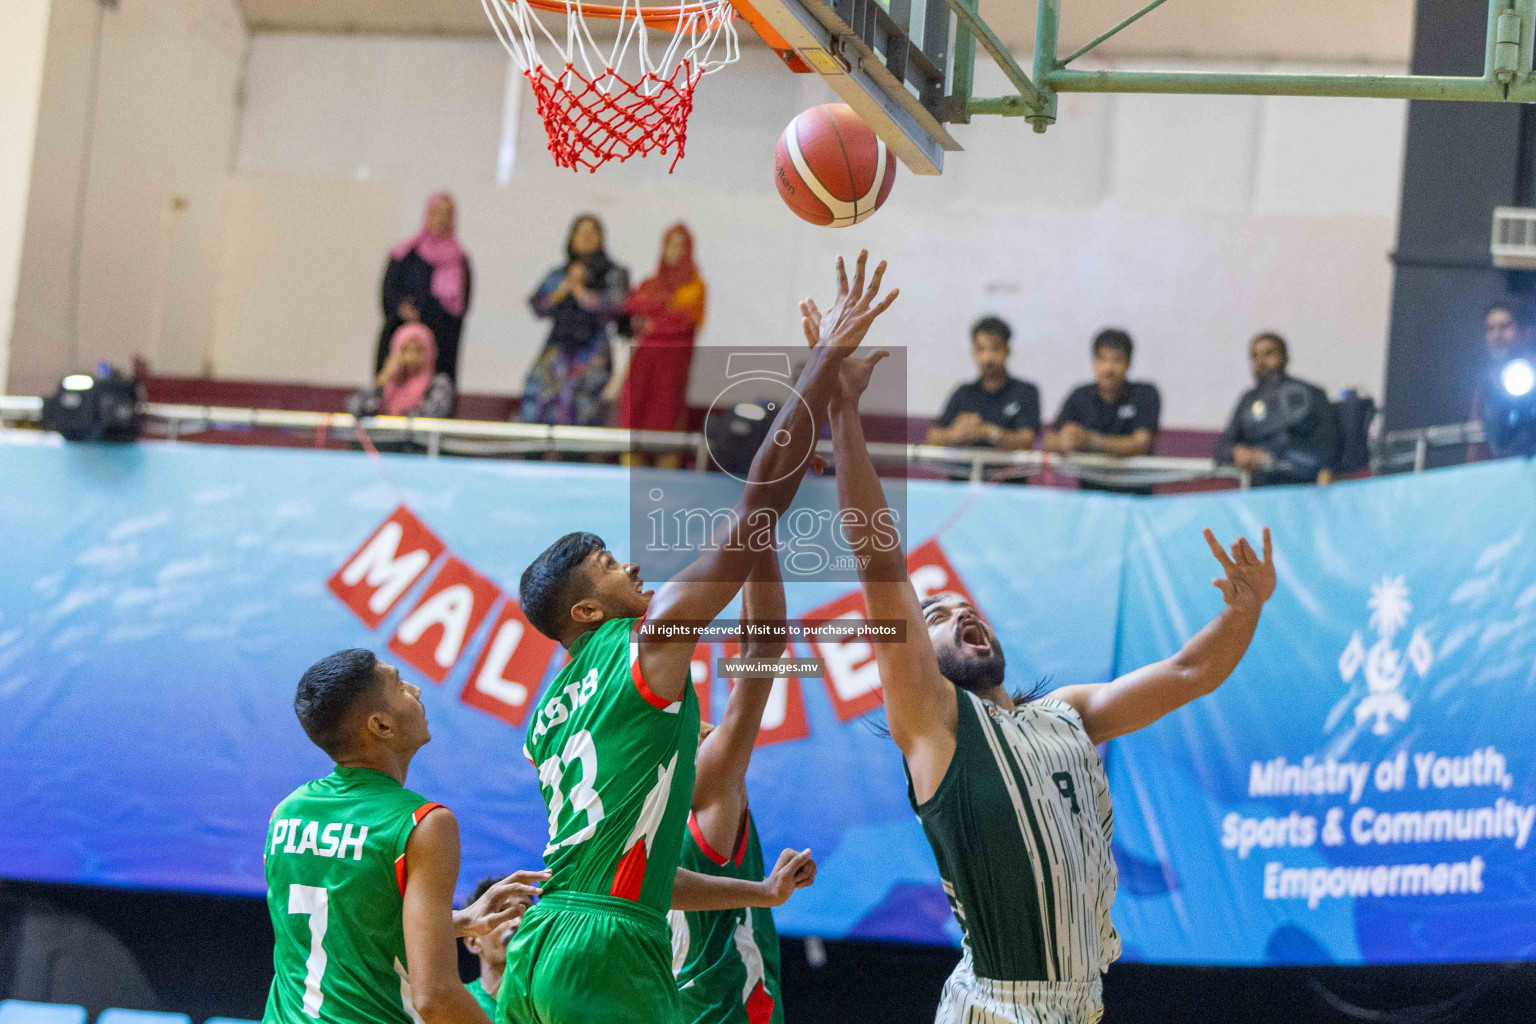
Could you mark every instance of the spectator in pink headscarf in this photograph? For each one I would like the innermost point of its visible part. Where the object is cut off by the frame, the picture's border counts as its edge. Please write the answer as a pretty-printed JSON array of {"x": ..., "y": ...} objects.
[
  {"x": 407, "y": 385},
  {"x": 428, "y": 281}
]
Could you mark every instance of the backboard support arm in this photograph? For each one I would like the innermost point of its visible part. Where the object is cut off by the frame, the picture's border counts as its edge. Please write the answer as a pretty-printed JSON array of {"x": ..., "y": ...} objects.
[
  {"x": 1507, "y": 71},
  {"x": 974, "y": 28},
  {"x": 1124, "y": 24}
]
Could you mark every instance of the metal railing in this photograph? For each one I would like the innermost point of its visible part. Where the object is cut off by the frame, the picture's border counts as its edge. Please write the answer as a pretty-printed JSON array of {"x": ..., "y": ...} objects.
[
  {"x": 489, "y": 439},
  {"x": 1397, "y": 450}
]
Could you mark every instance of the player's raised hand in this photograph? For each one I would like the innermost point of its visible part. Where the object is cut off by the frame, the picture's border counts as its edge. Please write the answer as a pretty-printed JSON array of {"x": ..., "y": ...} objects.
[
  {"x": 1249, "y": 580},
  {"x": 795, "y": 870},
  {"x": 503, "y": 903},
  {"x": 854, "y": 374},
  {"x": 846, "y": 322}
]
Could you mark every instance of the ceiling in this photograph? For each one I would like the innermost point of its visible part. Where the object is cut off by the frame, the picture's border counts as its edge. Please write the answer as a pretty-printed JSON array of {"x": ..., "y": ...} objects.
[{"x": 1354, "y": 31}]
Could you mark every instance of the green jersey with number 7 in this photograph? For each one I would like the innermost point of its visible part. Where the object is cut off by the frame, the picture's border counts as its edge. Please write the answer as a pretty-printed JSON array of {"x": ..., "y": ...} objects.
[
  {"x": 335, "y": 865},
  {"x": 615, "y": 764}
]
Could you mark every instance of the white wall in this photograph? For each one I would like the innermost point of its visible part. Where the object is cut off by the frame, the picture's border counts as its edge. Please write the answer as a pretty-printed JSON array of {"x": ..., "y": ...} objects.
[
  {"x": 1192, "y": 221},
  {"x": 23, "y": 43},
  {"x": 134, "y": 147}
]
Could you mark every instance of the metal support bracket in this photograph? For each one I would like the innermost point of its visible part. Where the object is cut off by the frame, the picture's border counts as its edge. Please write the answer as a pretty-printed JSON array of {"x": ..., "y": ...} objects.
[
  {"x": 1047, "y": 23},
  {"x": 1507, "y": 74},
  {"x": 998, "y": 50},
  {"x": 1126, "y": 23}
]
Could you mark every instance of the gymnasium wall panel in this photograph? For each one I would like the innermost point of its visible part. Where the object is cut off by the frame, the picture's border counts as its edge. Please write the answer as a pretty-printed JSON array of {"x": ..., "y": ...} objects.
[
  {"x": 135, "y": 142},
  {"x": 1176, "y": 217},
  {"x": 23, "y": 42}
]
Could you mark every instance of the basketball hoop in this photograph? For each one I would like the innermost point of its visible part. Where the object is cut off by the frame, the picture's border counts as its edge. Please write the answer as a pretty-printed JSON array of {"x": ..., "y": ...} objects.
[{"x": 594, "y": 108}]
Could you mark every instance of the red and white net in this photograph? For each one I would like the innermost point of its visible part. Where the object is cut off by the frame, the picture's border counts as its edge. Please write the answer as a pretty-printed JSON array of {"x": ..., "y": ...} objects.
[{"x": 612, "y": 100}]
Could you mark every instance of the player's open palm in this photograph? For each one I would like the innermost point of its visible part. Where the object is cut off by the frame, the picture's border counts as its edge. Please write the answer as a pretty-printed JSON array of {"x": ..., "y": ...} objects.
[
  {"x": 1250, "y": 580},
  {"x": 844, "y": 325},
  {"x": 795, "y": 870},
  {"x": 853, "y": 376}
]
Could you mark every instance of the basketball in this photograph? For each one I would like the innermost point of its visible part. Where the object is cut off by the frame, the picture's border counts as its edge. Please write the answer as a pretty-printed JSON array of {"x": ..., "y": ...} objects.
[{"x": 831, "y": 169}]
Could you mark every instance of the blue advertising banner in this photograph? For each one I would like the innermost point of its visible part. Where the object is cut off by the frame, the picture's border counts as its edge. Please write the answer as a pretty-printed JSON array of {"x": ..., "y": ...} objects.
[
  {"x": 160, "y": 602},
  {"x": 1363, "y": 789},
  {"x": 1360, "y": 791}
]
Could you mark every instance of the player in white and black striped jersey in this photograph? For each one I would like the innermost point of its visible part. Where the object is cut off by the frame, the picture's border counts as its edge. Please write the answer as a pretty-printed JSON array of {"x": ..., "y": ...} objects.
[{"x": 1011, "y": 793}]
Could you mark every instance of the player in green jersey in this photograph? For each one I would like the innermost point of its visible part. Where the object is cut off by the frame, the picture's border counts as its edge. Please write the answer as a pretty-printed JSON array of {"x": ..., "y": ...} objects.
[
  {"x": 1010, "y": 790},
  {"x": 361, "y": 871},
  {"x": 491, "y": 951},
  {"x": 726, "y": 962},
  {"x": 614, "y": 736}
]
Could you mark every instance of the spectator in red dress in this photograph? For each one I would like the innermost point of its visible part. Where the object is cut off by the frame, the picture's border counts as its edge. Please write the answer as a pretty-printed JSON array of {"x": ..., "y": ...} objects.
[{"x": 667, "y": 311}]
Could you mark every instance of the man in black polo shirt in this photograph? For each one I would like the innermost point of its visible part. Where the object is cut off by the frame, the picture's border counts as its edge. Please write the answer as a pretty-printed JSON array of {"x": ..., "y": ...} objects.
[
  {"x": 1111, "y": 416},
  {"x": 994, "y": 410},
  {"x": 1283, "y": 430}
]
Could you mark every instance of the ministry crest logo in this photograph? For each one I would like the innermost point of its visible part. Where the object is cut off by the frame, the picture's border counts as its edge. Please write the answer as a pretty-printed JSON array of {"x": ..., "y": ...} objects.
[{"x": 1383, "y": 665}]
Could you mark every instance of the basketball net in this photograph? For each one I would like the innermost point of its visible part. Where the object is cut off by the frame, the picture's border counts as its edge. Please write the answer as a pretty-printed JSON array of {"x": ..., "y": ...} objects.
[{"x": 602, "y": 102}]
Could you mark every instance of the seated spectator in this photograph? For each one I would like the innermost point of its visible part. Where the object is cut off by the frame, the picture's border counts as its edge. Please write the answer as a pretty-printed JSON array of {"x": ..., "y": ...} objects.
[
  {"x": 408, "y": 384},
  {"x": 1112, "y": 415},
  {"x": 583, "y": 299},
  {"x": 994, "y": 410},
  {"x": 1283, "y": 430},
  {"x": 428, "y": 281},
  {"x": 667, "y": 311}
]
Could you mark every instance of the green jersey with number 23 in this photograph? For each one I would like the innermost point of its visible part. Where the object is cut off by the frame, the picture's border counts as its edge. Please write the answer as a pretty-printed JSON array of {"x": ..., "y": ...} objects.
[{"x": 615, "y": 764}]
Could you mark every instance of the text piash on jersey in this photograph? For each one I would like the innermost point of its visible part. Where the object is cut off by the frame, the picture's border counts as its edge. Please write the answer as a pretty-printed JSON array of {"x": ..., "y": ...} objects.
[{"x": 329, "y": 839}]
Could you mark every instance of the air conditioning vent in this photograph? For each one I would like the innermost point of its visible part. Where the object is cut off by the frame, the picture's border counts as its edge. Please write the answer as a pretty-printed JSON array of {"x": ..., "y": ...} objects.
[{"x": 1514, "y": 237}]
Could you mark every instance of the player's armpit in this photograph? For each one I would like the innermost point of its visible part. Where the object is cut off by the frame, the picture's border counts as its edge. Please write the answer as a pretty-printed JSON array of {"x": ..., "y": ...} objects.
[{"x": 432, "y": 869}]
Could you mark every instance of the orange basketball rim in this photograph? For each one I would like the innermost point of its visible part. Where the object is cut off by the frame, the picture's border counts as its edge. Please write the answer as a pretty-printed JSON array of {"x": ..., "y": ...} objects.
[
  {"x": 670, "y": 18},
  {"x": 611, "y": 99}
]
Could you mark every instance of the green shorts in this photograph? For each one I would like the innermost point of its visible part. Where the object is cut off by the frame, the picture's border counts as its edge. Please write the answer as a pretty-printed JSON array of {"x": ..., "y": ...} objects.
[{"x": 583, "y": 959}]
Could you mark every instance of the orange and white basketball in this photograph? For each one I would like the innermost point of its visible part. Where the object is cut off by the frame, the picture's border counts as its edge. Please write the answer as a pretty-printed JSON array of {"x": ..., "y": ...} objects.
[{"x": 831, "y": 168}]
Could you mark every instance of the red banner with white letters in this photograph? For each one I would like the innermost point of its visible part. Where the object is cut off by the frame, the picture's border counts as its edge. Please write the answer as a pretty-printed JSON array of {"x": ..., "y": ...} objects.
[
  {"x": 440, "y": 630},
  {"x": 784, "y": 714},
  {"x": 386, "y": 566},
  {"x": 510, "y": 667}
]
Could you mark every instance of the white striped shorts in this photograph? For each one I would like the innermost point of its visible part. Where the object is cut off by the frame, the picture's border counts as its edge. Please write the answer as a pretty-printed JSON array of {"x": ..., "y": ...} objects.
[{"x": 968, "y": 999}]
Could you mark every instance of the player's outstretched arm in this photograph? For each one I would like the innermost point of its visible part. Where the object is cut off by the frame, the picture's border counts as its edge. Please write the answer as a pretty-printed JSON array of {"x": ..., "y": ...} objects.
[
  {"x": 720, "y": 779},
  {"x": 1139, "y": 698},
  {"x": 920, "y": 704},
  {"x": 694, "y": 891},
  {"x": 704, "y": 588},
  {"x": 432, "y": 869}
]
